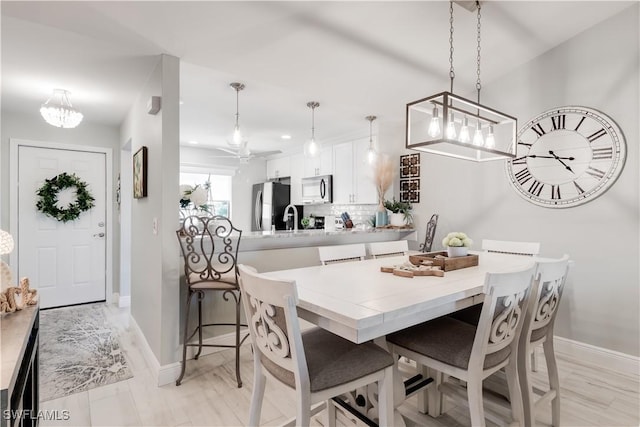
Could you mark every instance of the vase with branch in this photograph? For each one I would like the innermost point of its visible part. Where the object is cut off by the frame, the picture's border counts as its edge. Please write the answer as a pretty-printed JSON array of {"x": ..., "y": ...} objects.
[{"x": 383, "y": 175}]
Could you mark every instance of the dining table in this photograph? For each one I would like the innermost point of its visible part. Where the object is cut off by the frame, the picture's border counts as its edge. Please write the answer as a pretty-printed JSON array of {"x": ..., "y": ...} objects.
[{"x": 360, "y": 303}]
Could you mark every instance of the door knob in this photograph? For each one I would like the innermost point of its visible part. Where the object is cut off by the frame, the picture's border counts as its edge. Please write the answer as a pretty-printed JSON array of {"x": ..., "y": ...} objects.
[{"x": 99, "y": 235}]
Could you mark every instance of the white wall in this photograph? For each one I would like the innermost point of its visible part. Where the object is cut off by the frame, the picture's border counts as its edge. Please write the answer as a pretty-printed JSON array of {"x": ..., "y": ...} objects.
[
  {"x": 155, "y": 287},
  {"x": 599, "y": 69},
  {"x": 33, "y": 127}
]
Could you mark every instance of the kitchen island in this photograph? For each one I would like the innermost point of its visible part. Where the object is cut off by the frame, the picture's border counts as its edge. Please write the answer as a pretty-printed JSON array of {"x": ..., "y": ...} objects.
[{"x": 280, "y": 250}]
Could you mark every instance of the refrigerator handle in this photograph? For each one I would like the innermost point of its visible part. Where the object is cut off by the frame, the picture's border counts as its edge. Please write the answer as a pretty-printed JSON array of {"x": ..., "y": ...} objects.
[
  {"x": 257, "y": 210},
  {"x": 323, "y": 189}
]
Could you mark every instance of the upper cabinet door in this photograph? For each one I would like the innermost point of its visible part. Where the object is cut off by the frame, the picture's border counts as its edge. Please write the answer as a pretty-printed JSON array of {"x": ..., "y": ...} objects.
[
  {"x": 297, "y": 171},
  {"x": 343, "y": 174},
  {"x": 278, "y": 168},
  {"x": 322, "y": 164}
]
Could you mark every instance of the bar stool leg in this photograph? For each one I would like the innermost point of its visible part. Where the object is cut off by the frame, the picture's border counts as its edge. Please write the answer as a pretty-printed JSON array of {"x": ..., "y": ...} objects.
[
  {"x": 185, "y": 338},
  {"x": 200, "y": 298},
  {"x": 237, "y": 298}
]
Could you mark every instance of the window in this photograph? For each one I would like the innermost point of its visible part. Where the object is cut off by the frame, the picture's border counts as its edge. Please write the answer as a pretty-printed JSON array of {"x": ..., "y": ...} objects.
[{"x": 219, "y": 199}]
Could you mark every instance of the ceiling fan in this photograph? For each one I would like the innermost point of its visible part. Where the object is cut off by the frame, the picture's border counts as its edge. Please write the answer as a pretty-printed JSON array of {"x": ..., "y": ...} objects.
[{"x": 243, "y": 153}]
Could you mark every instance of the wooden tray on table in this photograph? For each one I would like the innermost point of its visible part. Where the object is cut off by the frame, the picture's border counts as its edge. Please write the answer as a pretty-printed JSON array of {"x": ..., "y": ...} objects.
[{"x": 442, "y": 260}]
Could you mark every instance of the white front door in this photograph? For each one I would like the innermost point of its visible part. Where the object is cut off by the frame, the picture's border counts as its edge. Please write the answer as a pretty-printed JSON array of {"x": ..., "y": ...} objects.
[{"x": 66, "y": 262}]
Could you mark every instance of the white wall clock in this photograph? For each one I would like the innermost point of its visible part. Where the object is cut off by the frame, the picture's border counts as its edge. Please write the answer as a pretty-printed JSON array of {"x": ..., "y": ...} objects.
[{"x": 567, "y": 156}]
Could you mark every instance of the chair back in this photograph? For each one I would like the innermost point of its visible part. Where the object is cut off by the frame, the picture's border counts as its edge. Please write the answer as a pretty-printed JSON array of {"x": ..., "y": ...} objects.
[
  {"x": 430, "y": 233},
  {"x": 545, "y": 299},
  {"x": 209, "y": 247},
  {"x": 341, "y": 253},
  {"x": 502, "y": 317},
  {"x": 508, "y": 247},
  {"x": 270, "y": 309},
  {"x": 385, "y": 249}
]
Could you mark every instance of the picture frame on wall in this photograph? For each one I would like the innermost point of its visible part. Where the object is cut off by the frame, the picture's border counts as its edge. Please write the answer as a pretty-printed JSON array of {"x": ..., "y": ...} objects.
[{"x": 140, "y": 173}]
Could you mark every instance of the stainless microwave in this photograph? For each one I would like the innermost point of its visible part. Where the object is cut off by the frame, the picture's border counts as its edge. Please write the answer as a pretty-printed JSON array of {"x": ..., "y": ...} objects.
[{"x": 317, "y": 189}]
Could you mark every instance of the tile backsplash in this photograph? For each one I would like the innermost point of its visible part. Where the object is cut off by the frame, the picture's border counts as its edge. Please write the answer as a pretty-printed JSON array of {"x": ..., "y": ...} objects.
[{"x": 360, "y": 214}]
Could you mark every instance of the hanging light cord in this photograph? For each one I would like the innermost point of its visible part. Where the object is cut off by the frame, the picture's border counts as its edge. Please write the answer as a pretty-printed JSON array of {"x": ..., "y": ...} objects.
[
  {"x": 478, "y": 84},
  {"x": 452, "y": 73},
  {"x": 237, "y": 105},
  {"x": 313, "y": 128}
]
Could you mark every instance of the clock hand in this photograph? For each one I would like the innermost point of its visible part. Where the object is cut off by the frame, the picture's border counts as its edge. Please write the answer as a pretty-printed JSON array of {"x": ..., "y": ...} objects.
[
  {"x": 535, "y": 156},
  {"x": 563, "y": 163}
]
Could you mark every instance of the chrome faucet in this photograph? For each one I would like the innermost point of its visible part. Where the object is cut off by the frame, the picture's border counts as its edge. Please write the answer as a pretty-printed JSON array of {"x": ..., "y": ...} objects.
[{"x": 295, "y": 216}]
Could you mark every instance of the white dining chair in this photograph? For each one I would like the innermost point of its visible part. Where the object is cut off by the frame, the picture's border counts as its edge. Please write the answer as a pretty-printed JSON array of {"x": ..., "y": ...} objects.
[
  {"x": 392, "y": 248},
  {"x": 341, "y": 253},
  {"x": 317, "y": 364},
  {"x": 511, "y": 247},
  {"x": 472, "y": 353},
  {"x": 538, "y": 330}
]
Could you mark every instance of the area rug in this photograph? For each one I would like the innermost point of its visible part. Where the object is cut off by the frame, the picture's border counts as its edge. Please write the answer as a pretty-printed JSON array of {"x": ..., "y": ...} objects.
[{"x": 79, "y": 350}]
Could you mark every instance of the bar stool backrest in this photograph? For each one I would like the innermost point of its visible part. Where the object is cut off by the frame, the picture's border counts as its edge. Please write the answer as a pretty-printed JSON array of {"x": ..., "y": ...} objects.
[{"x": 209, "y": 247}]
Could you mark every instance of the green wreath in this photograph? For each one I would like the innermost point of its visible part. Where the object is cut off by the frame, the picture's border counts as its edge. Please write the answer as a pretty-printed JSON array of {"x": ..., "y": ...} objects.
[{"x": 49, "y": 197}]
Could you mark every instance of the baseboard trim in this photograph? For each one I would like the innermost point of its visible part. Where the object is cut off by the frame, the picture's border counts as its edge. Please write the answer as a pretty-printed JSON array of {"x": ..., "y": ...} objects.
[
  {"x": 597, "y": 356},
  {"x": 124, "y": 301},
  {"x": 167, "y": 374}
]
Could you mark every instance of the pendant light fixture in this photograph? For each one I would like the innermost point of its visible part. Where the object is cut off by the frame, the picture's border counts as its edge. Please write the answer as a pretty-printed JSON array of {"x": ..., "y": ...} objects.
[
  {"x": 236, "y": 139},
  {"x": 59, "y": 112},
  {"x": 450, "y": 125},
  {"x": 312, "y": 147},
  {"x": 372, "y": 154}
]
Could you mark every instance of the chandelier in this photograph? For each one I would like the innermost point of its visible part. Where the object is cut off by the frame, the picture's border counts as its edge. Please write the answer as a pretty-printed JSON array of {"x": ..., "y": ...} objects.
[
  {"x": 312, "y": 147},
  {"x": 236, "y": 140},
  {"x": 59, "y": 112},
  {"x": 450, "y": 125}
]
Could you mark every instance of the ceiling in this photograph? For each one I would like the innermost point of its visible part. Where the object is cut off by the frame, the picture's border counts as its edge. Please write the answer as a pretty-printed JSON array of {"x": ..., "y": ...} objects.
[{"x": 355, "y": 58}]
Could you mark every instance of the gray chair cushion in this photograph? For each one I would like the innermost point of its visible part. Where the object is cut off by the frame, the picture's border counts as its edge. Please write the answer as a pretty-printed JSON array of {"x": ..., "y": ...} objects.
[
  {"x": 227, "y": 281},
  {"x": 332, "y": 360},
  {"x": 539, "y": 333},
  {"x": 447, "y": 340}
]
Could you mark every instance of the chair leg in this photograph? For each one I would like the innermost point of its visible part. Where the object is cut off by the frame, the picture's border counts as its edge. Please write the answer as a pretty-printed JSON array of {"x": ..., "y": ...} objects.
[
  {"x": 434, "y": 395},
  {"x": 185, "y": 338},
  {"x": 200, "y": 298},
  {"x": 303, "y": 409},
  {"x": 474, "y": 397},
  {"x": 259, "y": 382},
  {"x": 515, "y": 393},
  {"x": 554, "y": 381},
  {"x": 534, "y": 361},
  {"x": 238, "y": 379},
  {"x": 331, "y": 413},
  {"x": 385, "y": 399},
  {"x": 524, "y": 376}
]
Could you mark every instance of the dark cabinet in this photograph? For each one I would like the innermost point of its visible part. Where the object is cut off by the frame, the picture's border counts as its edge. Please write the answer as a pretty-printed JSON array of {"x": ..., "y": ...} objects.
[{"x": 19, "y": 394}]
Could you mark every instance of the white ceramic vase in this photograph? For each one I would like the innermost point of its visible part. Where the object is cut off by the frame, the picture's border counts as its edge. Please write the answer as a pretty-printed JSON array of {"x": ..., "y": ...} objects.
[
  {"x": 457, "y": 251},
  {"x": 396, "y": 219}
]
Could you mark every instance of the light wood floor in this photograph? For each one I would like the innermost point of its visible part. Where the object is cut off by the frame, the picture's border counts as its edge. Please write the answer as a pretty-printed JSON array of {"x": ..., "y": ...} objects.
[{"x": 208, "y": 396}]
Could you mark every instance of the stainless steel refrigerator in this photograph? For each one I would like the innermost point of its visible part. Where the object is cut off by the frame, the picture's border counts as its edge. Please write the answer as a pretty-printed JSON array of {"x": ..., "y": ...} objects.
[{"x": 269, "y": 201}]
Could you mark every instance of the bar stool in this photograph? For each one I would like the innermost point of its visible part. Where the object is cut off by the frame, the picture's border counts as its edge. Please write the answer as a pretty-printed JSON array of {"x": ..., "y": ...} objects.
[{"x": 210, "y": 250}]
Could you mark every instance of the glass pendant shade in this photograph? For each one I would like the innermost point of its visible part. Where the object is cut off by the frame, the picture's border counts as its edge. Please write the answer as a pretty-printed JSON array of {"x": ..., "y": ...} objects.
[
  {"x": 502, "y": 127},
  {"x": 236, "y": 139},
  {"x": 59, "y": 112},
  {"x": 478, "y": 139},
  {"x": 372, "y": 154}
]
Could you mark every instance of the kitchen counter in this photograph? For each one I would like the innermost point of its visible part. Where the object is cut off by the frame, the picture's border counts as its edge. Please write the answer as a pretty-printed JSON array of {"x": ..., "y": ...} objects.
[{"x": 281, "y": 239}]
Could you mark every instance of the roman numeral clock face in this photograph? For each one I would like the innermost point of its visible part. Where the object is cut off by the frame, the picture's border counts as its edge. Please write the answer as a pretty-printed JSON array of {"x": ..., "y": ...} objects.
[{"x": 566, "y": 157}]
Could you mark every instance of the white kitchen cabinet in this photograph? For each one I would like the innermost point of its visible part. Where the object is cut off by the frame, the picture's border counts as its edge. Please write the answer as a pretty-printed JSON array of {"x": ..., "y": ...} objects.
[
  {"x": 297, "y": 173},
  {"x": 322, "y": 164},
  {"x": 352, "y": 176},
  {"x": 278, "y": 168}
]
